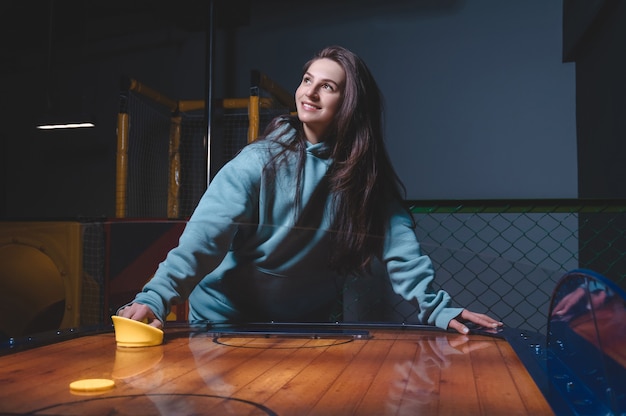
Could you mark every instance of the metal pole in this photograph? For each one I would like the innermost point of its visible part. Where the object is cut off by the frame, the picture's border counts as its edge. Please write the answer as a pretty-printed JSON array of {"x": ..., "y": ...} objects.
[{"x": 210, "y": 43}]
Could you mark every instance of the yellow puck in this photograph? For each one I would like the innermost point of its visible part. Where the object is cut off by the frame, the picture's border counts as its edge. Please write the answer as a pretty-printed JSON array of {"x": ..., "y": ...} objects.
[{"x": 91, "y": 385}]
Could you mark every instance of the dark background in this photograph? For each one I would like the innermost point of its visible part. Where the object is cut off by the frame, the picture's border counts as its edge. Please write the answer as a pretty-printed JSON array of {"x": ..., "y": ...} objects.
[{"x": 485, "y": 99}]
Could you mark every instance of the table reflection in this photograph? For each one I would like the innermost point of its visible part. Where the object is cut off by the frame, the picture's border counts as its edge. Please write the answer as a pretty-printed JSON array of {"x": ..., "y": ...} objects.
[
  {"x": 416, "y": 383},
  {"x": 412, "y": 388},
  {"x": 587, "y": 343}
]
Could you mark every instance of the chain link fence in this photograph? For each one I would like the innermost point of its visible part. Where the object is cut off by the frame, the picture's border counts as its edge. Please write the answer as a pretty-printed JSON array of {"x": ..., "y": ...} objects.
[{"x": 503, "y": 258}]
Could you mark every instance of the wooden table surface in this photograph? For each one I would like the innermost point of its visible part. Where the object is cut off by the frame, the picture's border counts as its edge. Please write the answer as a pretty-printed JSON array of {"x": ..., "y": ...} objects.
[{"x": 391, "y": 372}]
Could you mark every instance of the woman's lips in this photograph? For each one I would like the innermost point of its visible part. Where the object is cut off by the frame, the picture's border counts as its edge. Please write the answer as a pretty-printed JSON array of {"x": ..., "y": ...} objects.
[{"x": 309, "y": 106}]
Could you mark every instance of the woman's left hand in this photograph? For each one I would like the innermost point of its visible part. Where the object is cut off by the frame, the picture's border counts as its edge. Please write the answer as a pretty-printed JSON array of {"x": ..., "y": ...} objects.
[{"x": 477, "y": 318}]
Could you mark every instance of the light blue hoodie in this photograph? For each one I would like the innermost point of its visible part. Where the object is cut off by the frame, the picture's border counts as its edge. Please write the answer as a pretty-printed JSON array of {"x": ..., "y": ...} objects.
[{"x": 248, "y": 253}]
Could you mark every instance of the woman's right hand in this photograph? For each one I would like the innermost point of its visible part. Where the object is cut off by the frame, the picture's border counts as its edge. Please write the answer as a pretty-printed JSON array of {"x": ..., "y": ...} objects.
[{"x": 139, "y": 312}]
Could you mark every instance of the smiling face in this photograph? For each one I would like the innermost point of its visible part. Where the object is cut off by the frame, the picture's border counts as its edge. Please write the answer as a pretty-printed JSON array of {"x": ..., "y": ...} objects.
[{"x": 319, "y": 97}]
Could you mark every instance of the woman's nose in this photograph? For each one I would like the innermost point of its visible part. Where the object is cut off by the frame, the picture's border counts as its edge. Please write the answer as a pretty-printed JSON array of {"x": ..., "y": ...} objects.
[{"x": 311, "y": 92}]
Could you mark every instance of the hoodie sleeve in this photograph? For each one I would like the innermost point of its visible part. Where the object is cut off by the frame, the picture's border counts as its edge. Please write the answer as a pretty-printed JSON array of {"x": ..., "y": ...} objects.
[
  {"x": 411, "y": 273},
  {"x": 230, "y": 199}
]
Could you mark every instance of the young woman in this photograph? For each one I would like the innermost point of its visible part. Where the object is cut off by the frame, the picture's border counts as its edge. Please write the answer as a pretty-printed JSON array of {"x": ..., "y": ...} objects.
[{"x": 283, "y": 223}]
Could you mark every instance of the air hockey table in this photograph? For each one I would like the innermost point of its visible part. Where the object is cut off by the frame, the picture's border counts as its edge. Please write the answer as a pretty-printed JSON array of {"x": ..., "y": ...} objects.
[{"x": 335, "y": 368}]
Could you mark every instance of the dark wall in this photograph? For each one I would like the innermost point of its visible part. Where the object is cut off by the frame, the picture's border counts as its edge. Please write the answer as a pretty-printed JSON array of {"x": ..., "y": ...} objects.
[
  {"x": 599, "y": 52},
  {"x": 480, "y": 103},
  {"x": 78, "y": 68}
]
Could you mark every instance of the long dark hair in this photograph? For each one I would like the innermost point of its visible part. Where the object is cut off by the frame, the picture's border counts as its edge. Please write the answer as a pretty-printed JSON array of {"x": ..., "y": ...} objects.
[{"x": 361, "y": 179}]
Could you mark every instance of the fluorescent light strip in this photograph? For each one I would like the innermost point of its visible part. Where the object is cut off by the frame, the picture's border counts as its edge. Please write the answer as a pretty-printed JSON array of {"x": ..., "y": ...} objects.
[{"x": 65, "y": 126}]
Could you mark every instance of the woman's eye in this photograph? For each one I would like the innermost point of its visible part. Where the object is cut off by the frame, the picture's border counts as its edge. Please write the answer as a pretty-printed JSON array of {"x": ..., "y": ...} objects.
[{"x": 327, "y": 87}]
